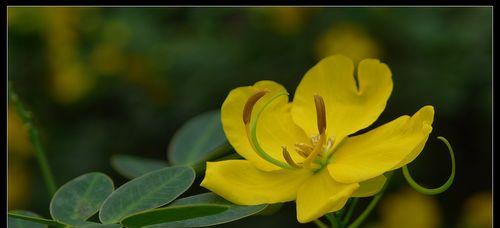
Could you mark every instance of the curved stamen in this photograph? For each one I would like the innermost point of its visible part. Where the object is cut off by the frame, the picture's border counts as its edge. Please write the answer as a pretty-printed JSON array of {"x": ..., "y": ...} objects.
[
  {"x": 289, "y": 159},
  {"x": 321, "y": 121},
  {"x": 320, "y": 113},
  {"x": 252, "y": 129},
  {"x": 442, "y": 188},
  {"x": 247, "y": 110},
  {"x": 303, "y": 149}
]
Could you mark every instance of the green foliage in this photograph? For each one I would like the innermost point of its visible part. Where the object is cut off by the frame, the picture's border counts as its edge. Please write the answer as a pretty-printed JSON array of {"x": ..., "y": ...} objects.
[
  {"x": 132, "y": 166},
  {"x": 199, "y": 139},
  {"x": 234, "y": 212},
  {"x": 146, "y": 192},
  {"x": 98, "y": 225},
  {"x": 28, "y": 219},
  {"x": 14, "y": 222},
  {"x": 170, "y": 214},
  {"x": 80, "y": 198}
]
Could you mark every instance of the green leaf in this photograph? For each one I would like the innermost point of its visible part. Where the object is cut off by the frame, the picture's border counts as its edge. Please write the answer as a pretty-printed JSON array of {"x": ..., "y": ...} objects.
[
  {"x": 170, "y": 214},
  {"x": 271, "y": 209},
  {"x": 98, "y": 225},
  {"x": 80, "y": 198},
  {"x": 234, "y": 212},
  {"x": 21, "y": 219},
  {"x": 198, "y": 140},
  {"x": 133, "y": 166},
  {"x": 149, "y": 191}
]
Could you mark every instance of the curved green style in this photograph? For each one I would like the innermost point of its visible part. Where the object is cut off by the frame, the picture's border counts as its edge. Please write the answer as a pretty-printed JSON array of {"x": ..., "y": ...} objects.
[
  {"x": 255, "y": 142},
  {"x": 442, "y": 188}
]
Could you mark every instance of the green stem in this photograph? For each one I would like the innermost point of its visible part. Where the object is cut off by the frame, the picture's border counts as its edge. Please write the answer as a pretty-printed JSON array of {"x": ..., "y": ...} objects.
[
  {"x": 371, "y": 206},
  {"x": 341, "y": 212},
  {"x": 35, "y": 140},
  {"x": 350, "y": 211},
  {"x": 320, "y": 224},
  {"x": 334, "y": 220}
]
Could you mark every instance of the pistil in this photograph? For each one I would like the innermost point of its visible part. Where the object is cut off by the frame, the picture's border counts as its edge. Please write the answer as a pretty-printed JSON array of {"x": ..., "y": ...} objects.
[{"x": 251, "y": 127}]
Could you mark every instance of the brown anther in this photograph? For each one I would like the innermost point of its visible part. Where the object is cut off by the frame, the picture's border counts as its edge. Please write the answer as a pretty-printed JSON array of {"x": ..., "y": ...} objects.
[
  {"x": 320, "y": 113},
  {"x": 304, "y": 146},
  {"x": 289, "y": 159},
  {"x": 247, "y": 110},
  {"x": 301, "y": 153}
]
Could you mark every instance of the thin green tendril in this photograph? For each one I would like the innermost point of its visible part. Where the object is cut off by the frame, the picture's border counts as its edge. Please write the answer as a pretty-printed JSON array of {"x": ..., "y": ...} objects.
[
  {"x": 255, "y": 142},
  {"x": 442, "y": 188}
]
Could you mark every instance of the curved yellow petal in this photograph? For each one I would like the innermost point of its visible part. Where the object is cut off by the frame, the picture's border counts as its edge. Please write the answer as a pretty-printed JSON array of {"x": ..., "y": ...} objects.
[
  {"x": 370, "y": 187},
  {"x": 348, "y": 108},
  {"x": 385, "y": 148},
  {"x": 274, "y": 130},
  {"x": 241, "y": 183},
  {"x": 321, "y": 194}
]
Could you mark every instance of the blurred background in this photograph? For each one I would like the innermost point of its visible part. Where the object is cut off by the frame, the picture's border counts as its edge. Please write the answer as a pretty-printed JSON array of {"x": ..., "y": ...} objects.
[{"x": 104, "y": 81}]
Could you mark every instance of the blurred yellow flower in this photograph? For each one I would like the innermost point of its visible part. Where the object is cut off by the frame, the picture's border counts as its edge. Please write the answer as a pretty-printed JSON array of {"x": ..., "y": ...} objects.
[
  {"x": 327, "y": 166},
  {"x": 18, "y": 137},
  {"x": 286, "y": 20},
  {"x": 477, "y": 211},
  {"x": 70, "y": 82},
  {"x": 410, "y": 208},
  {"x": 70, "y": 79},
  {"x": 18, "y": 186},
  {"x": 108, "y": 59},
  {"x": 349, "y": 40}
]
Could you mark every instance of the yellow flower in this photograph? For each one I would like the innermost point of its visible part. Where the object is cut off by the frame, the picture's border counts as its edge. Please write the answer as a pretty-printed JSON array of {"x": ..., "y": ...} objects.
[
  {"x": 478, "y": 211},
  {"x": 18, "y": 137},
  {"x": 304, "y": 150},
  {"x": 285, "y": 20},
  {"x": 349, "y": 40},
  {"x": 19, "y": 187},
  {"x": 410, "y": 208}
]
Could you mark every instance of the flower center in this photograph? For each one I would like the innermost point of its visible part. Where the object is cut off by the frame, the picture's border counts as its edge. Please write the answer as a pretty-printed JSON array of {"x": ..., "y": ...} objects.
[{"x": 314, "y": 156}]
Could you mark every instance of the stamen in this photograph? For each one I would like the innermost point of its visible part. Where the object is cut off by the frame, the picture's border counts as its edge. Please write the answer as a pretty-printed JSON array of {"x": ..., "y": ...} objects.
[
  {"x": 247, "y": 110},
  {"x": 315, "y": 139},
  {"x": 289, "y": 159},
  {"x": 320, "y": 113},
  {"x": 304, "y": 147},
  {"x": 317, "y": 149},
  {"x": 301, "y": 152}
]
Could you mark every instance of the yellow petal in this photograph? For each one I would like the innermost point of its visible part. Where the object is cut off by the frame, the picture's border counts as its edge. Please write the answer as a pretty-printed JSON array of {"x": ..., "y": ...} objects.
[
  {"x": 321, "y": 194},
  {"x": 385, "y": 148},
  {"x": 348, "y": 108},
  {"x": 274, "y": 130},
  {"x": 241, "y": 183},
  {"x": 370, "y": 187}
]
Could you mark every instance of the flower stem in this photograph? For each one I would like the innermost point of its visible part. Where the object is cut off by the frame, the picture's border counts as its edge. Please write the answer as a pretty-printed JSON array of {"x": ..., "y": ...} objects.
[
  {"x": 320, "y": 224},
  {"x": 35, "y": 140},
  {"x": 334, "y": 220},
  {"x": 350, "y": 211},
  {"x": 371, "y": 206}
]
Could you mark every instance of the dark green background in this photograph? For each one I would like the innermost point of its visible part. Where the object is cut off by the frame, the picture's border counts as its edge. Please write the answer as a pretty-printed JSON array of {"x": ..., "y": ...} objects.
[{"x": 192, "y": 57}]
